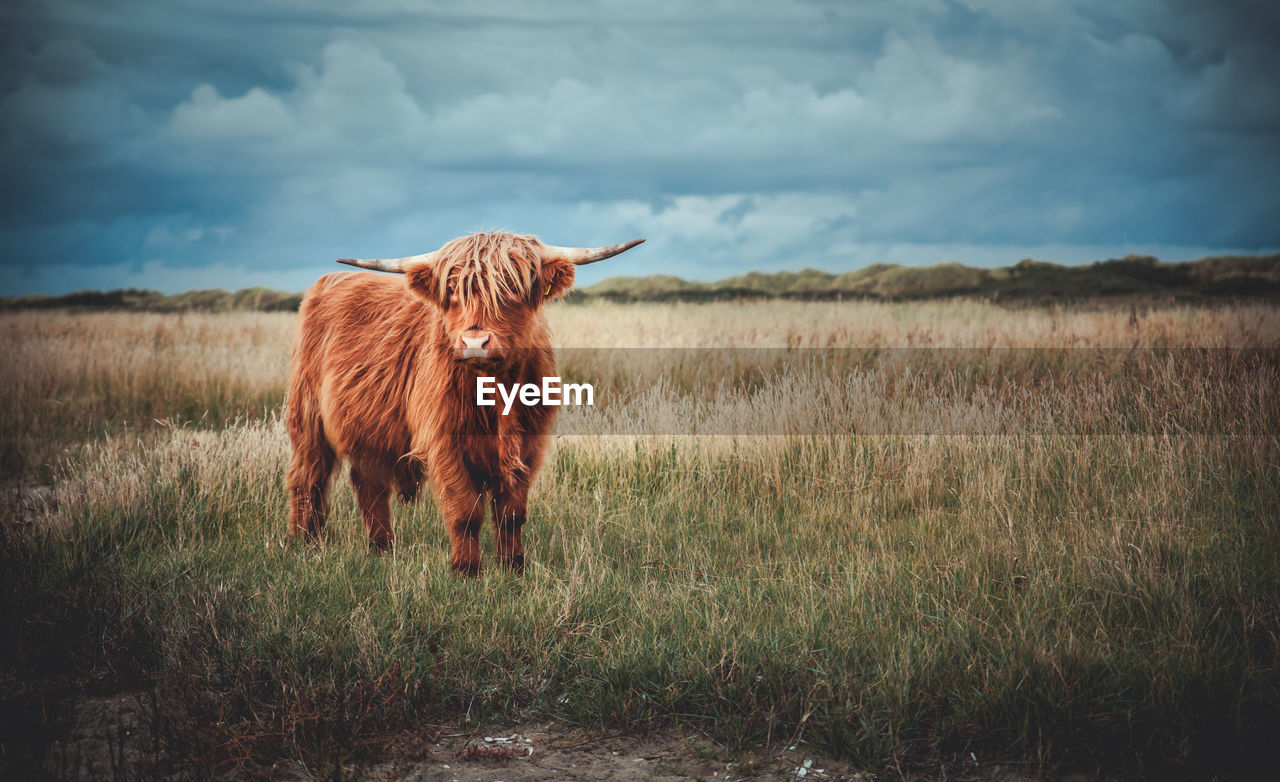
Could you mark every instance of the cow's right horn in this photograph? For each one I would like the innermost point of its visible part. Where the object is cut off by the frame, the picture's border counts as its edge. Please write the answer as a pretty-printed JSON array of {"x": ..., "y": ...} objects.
[
  {"x": 397, "y": 265},
  {"x": 581, "y": 256}
]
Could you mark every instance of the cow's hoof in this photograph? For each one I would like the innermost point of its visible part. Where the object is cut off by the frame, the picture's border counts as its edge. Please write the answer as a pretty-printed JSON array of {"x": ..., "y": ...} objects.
[
  {"x": 465, "y": 569},
  {"x": 515, "y": 564}
]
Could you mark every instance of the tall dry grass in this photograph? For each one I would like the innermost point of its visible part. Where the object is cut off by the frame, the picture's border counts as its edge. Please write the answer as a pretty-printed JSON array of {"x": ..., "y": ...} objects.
[
  {"x": 67, "y": 378},
  {"x": 957, "y": 323}
]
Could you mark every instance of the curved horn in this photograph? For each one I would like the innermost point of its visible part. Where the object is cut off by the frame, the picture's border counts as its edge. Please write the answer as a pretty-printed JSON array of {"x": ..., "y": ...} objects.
[
  {"x": 581, "y": 256},
  {"x": 396, "y": 265}
]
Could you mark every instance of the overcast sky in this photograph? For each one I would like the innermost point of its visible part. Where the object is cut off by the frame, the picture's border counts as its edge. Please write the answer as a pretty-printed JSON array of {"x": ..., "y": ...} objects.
[{"x": 181, "y": 144}]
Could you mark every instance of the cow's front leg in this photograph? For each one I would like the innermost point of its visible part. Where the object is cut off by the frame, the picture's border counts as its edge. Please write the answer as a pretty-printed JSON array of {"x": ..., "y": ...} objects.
[
  {"x": 521, "y": 444},
  {"x": 462, "y": 506},
  {"x": 508, "y": 519},
  {"x": 464, "y": 516},
  {"x": 514, "y": 472}
]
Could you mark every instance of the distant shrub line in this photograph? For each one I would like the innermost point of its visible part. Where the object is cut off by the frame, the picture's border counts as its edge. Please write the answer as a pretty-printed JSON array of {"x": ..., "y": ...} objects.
[
  {"x": 1028, "y": 281},
  {"x": 137, "y": 300}
]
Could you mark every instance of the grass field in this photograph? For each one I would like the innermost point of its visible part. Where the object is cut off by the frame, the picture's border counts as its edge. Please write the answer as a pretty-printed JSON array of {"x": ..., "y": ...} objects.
[{"x": 1061, "y": 549}]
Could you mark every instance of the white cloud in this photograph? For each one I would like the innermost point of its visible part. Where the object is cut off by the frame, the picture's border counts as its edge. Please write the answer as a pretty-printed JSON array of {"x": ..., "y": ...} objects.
[
  {"x": 355, "y": 101},
  {"x": 358, "y": 102},
  {"x": 207, "y": 116},
  {"x": 926, "y": 94}
]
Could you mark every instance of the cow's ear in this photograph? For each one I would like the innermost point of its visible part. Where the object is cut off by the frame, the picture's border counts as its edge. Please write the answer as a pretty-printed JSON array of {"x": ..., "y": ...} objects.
[
  {"x": 557, "y": 278},
  {"x": 423, "y": 281}
]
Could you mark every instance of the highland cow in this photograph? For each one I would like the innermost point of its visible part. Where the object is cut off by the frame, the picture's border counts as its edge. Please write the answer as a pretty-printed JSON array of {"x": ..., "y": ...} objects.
[{"x": 384, "y": 376}]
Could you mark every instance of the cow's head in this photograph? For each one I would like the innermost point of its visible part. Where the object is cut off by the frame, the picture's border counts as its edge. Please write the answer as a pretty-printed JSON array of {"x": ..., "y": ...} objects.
[{"x": 489, "y": 286}]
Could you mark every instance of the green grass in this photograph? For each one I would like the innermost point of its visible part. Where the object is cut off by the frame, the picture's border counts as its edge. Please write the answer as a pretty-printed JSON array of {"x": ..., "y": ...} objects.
[{"x": 910, "y": 617}]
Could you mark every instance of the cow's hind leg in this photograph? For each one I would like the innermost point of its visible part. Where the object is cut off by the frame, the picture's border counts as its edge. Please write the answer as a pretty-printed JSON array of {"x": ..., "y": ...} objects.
[
  {"x": 374, "y": 497},
  {"x": 309, "y": 471}
]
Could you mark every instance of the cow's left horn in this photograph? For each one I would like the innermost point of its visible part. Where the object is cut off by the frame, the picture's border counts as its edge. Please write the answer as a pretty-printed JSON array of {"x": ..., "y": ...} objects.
[
  {"x": 581, "y": 256},
  {"x": 397, "y": 265}
]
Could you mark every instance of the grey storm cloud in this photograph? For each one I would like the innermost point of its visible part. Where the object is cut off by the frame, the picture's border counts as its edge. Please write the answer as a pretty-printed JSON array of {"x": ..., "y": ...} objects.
[{"x": 197, "y": 143}]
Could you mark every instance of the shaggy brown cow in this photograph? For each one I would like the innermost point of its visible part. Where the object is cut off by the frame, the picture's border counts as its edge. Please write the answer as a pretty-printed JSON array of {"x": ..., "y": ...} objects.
[{"x": 384, "y": 376}]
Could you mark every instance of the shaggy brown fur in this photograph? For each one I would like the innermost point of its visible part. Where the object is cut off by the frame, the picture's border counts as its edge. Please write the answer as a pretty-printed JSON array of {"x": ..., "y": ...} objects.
[{"x": 378, "y": 380}]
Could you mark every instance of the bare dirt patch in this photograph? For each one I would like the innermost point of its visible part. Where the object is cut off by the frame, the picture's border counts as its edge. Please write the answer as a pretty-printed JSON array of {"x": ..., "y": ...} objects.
[
  {"x": 548, "y": 751},
  {"x": 114, "y": 737}
]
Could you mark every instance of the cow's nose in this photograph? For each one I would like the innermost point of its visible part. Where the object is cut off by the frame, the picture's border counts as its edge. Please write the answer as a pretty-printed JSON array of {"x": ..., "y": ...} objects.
[{"x": 474, "y": 344}]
